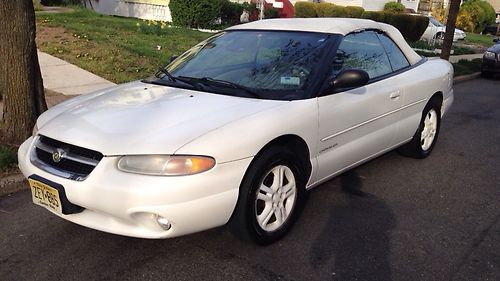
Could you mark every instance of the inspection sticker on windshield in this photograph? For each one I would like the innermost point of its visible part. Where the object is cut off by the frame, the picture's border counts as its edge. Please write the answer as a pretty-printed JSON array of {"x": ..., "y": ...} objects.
[{"x": 287, "y": 80}]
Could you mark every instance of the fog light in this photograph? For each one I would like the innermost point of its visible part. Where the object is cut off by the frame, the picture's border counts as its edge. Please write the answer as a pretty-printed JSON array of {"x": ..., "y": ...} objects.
[{"x": 163, "y": 222}]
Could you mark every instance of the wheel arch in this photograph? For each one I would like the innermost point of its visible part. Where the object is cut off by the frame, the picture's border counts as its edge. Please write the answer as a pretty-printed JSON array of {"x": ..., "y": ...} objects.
[
  {"x": 439, "y": 97},
  {"x": 297, "y": 145}
]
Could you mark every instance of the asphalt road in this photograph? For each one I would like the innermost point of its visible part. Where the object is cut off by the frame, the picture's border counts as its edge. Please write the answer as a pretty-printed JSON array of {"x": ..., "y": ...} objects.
[{"x": 433, "y": 219}]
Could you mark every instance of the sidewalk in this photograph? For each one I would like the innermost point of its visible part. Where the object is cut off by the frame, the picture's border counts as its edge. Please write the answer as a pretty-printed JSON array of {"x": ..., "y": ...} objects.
[
  {"x": 455, "y": 59},
  {"x": 68, "y": 79}
]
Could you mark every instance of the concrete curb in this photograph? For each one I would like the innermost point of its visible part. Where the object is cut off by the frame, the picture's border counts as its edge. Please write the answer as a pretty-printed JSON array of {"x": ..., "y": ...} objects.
[
  {"x": 12, "y": 183},
  {"x": 463, "y": 78}
]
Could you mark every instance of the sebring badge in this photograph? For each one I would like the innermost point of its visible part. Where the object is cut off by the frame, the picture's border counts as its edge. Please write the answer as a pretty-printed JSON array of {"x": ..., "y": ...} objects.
[{"x": 58, "y": 155}]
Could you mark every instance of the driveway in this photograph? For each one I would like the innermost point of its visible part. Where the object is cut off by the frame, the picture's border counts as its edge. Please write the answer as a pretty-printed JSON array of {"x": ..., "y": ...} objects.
[{"x": 393, "y": 218}]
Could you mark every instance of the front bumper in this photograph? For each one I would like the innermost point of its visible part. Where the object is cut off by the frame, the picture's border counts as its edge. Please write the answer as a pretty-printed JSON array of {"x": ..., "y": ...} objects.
[
  {"x": 490, "y": 65},
  {"x": 128, "y": 204}
]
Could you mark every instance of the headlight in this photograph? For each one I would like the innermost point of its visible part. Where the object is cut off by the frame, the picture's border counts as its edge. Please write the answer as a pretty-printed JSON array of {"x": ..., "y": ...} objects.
[
  {"x": 35, "y": 130},
  {"x": 165, "y": 165},
  {"x": 489, "y": 55}
]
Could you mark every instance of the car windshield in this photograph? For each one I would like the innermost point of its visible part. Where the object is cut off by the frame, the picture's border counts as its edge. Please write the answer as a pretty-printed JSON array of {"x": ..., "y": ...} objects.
[
  {"x": 265, "y": 64},
  {"x": 435, "y": 22}
]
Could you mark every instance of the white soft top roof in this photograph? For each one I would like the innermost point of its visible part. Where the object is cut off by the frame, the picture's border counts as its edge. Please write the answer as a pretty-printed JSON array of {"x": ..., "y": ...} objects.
[{"x": 340, "y": 26}]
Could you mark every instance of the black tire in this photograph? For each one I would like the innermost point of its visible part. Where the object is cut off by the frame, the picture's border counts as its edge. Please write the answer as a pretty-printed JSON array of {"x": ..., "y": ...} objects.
[
  {"x": 244, "y": 222},
  {"x": 415, "y": 148},
  {"x": 439, "y": 36}
]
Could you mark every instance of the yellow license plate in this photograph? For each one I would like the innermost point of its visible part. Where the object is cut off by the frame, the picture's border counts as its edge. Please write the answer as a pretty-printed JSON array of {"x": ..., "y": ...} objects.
[{"x": 45, "y": 196}]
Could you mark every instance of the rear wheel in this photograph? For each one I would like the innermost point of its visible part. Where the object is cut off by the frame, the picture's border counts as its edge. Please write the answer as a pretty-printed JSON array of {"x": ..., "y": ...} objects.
[
  {"x": 427, "y": 133},
  {"x": 439, "y": 36},
  {"x": 271, "y": 197}
]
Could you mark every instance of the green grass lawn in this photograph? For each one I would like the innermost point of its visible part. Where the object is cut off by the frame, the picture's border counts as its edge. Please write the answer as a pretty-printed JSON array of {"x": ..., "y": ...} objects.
[
  {"x": 424, "y": 45},
  {"x": 8, "y": 158},
  {"x": 112, "y": 47},
  {"x": 464, "y": 67},
  {"x": 479, "y": 39}
]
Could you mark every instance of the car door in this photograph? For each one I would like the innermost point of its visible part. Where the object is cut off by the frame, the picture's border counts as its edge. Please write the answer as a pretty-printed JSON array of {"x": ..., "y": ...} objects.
[{"x": 359, "y": 123}]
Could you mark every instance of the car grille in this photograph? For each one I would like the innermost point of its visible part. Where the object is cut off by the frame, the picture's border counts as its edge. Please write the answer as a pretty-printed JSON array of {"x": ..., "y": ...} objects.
[{"x": 63, "y": 159}]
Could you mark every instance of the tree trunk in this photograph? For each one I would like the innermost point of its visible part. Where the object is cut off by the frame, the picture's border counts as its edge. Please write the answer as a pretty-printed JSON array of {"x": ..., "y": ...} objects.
[
  {"x": 21, "y": 84},
  {"x": 453, "y": 10}
]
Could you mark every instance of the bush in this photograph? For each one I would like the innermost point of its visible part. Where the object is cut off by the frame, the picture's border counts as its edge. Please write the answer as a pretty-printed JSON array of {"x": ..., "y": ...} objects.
[
  {"x": 329, "y": 10},
  {"x": 440, "y": 13},
  {"x": 8, "y": 158},
  {"x": 404, "y": 23},
  {"x": 321, "y": 9},
  {"x": 411, "y": 27},
  {"x": 231, "y": 12},
  {"x": 354, "y": 12},
  {"x": 195, "y": 13},
  {"x": 394, "y": 7},
  {"x": 336, "y": 11},
  {"x": 305, "y": 10},
  {"x": 271, "y": 13},
  {"x": 474, "y": 15},
  {"x": 421, "y": 24},
  {"x": 376, "y": 16}
]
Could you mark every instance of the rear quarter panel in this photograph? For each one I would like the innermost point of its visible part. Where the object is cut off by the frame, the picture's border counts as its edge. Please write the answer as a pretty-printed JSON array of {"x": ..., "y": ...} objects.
[{"x": 419, "y": 84}]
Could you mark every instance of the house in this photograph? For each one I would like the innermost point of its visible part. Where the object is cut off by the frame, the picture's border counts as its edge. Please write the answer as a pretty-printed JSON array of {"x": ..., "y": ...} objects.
[
  {"x": 143, "y": 9},
  {"x": 158, "y": 9}
]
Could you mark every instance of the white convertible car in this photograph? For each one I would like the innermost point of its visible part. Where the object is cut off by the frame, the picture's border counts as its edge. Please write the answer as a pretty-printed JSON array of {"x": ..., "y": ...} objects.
[{"x": 236, "y": 129}]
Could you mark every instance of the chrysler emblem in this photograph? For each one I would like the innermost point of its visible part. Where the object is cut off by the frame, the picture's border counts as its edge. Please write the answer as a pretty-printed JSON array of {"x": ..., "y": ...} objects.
[{"x": 58, "y": 155}]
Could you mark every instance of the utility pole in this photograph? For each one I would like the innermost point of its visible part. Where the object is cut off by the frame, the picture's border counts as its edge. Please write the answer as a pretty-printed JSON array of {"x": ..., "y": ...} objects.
[{"x": 261, "y": 5}]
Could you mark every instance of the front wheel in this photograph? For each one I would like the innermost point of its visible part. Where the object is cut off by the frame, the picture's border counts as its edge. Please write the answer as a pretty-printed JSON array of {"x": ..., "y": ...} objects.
[
  {"x": 272, "y": 195},
  {"x": 425, "y": 138}
]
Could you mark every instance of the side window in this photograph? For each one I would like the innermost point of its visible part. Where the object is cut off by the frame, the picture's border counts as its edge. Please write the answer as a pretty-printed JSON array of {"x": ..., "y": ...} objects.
[
  {"x": 364, "y": 51},
  {"x": 396, "y": 57}
]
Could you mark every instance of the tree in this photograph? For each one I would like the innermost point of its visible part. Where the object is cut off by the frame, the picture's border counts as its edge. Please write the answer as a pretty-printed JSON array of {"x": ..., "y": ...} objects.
[
  {"x": 453, "y": 9},
  {"x": 21, "y": 86}
]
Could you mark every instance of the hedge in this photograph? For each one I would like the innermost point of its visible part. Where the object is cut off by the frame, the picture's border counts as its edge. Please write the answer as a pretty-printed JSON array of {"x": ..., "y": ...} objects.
[
  {"x": 305, "y": 10},
  {"x": 376, "y": 16},
  {"x": 412, "y": 27},
  {"x": 354, "y": 11},
  {"x": 326, "y": 10},
  {"x": 195, "y": 13}
]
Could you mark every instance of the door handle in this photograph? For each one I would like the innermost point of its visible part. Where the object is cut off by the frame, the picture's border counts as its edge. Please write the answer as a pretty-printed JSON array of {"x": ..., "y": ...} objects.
[{"x": 395, "y": 95}]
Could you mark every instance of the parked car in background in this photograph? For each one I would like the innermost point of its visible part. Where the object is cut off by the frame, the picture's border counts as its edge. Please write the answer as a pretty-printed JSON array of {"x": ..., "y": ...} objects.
[
  {"x": 436, "y": 30},
  {"x": 492, "y": 29},
  {"x": 237, "y": 129},
  {"x": 491, "y": 60}
]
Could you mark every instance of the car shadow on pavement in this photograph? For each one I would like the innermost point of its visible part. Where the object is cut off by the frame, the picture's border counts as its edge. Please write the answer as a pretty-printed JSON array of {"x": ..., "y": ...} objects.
[{"x": 356, "y": 236}]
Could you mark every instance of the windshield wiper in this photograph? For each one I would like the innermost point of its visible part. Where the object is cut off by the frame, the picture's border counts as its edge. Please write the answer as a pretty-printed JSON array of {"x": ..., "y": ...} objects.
[
  {"x": 175, "y": 79},
  {"x": 164, "y": 71},
  {"x": 222, "y": 83}
]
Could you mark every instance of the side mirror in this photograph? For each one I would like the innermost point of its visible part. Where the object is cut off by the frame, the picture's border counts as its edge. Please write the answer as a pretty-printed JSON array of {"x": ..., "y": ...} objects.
[{"x": 348, "y": 78}]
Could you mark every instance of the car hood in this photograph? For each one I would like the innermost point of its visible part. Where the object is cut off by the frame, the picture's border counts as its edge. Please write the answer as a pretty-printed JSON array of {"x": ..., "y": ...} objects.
[
  {"x": 140, "y": 118},
  {"x": 495, "y": 48}
]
